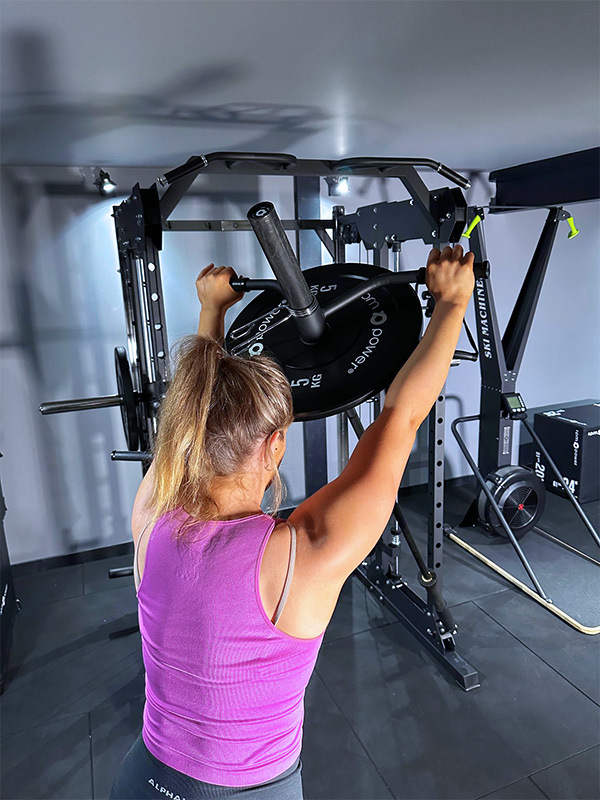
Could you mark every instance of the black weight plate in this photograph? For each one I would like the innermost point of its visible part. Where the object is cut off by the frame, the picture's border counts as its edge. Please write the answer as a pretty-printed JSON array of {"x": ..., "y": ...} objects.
[
  {"x": 361, "y": 353},
  {"x": 128, "y": 404}
]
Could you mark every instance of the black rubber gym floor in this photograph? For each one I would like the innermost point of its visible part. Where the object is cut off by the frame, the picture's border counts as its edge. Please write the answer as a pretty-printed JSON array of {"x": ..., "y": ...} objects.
[{"x": 382, "y": 719}]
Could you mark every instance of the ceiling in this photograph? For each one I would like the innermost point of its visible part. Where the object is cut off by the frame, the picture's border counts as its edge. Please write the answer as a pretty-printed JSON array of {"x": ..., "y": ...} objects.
[{"x": 478, "y": 85}]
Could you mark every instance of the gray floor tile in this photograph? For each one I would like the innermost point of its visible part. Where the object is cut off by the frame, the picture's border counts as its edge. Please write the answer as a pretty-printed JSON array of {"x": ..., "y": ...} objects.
[
  {"x": 69, "y": 657},
  {"x": 356, "y": 611},
  {"x": 463, "y": 577},
  {"x": 561, "y": 519},
  {"x": 572, "y": 582},
  {"x": 95, "y": 574},
  {"x": 521, "y": 790},
  {"x": 50, "y": 585},
  {"x": 335, "y": 765},
  {"x": 430, "y": 739},
  {"x": 575, "y": 655},
  {"x": 115, "y": 727},
  {"x": 569, "y": 580},
  {"x": 49, "y": 761},
  {"x": 577, "y": 778}
]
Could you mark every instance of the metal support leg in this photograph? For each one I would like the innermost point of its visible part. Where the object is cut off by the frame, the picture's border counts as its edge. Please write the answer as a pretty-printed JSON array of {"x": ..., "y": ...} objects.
[
  {"x": 427, "y": 576},
  {"x": 490, "y": 497},
  {"x": 340, "y": 258},
  {"x": 413, "y": 612},
  {"x": 436, "y": 484}
]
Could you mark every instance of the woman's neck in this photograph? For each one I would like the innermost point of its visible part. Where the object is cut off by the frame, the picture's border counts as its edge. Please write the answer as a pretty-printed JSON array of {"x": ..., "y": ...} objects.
[{"x": 234, "y": 502}]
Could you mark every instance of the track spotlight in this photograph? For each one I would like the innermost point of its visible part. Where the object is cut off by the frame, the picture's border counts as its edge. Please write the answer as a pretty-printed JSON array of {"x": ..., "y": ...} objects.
[
  {"x": 337, "y": 186},
  {"x": 103, "y": 182}
]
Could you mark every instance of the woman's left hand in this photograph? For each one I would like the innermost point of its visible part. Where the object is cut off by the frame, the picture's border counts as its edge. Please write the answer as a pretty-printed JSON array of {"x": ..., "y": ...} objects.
[{"x": 213, "y": 288}]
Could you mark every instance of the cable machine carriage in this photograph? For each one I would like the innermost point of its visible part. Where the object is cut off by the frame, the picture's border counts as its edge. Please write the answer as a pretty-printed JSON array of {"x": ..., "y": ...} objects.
[{"x": 340, "y": 331}]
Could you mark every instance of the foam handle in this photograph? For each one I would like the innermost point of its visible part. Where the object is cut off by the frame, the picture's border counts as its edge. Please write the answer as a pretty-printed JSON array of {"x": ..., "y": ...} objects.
[
  {"x": 276, "y": 246},
  {"x": 272, "y": 238}
]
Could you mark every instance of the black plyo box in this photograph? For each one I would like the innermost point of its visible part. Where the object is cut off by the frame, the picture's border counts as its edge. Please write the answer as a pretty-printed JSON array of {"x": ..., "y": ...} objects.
[{"x": 572, "y": 437}]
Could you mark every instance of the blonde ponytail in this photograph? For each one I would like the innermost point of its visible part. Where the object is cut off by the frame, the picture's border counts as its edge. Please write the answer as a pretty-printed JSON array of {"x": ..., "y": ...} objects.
[{"x": 217, "y": 411}]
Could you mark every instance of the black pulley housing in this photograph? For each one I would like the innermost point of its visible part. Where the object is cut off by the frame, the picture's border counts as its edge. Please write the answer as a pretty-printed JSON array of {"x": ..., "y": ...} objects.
[
  {"x": 363, "y": 348},
  {"x": 520, "y": 496}
]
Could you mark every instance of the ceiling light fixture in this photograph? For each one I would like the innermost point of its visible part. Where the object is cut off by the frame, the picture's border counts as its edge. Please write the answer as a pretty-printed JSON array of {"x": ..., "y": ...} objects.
[
  {"x": 103, "y": 182},
  {"x": 337, "y": 186}
]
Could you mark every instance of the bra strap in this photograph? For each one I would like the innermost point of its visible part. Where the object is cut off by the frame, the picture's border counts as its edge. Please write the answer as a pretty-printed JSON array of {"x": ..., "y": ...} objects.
[
  {"x": 290, "y": 572},
  {"x": 136, "y": 569}
]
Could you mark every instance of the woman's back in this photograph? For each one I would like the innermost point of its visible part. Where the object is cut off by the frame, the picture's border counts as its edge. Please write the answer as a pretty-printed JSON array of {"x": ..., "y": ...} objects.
[{"x": 224, "y": 686}]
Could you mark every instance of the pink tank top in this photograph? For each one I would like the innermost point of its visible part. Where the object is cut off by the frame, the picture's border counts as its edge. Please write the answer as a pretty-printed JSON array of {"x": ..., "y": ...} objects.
[{"x": 224, "y": 686}]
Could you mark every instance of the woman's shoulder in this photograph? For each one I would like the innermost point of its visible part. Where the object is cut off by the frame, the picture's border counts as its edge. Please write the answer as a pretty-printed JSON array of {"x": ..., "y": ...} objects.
[
  {"x": 313, "y": 592},
  {"x": 148, "y": 520}
]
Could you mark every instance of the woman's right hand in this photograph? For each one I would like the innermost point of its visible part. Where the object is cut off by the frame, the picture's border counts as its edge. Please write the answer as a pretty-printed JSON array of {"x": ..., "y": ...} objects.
[
  {"x": 450, "y": 276},
  {"x": 214, "y": 290}
]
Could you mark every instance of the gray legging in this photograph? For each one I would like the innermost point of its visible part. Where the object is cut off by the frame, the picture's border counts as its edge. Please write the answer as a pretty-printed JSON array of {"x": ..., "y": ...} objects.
[{"x": 142, "y": 776}]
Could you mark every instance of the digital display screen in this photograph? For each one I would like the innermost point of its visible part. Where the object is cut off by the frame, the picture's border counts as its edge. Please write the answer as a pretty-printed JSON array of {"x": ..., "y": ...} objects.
[{"x": 514, "y": 403}]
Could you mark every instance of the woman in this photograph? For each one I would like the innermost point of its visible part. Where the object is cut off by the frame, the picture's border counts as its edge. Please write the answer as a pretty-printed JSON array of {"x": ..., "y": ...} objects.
[{"x": 233, "y": 602}]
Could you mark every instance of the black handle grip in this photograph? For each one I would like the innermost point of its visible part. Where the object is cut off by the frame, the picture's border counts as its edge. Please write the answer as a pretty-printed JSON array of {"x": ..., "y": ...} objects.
[
  {"x": 464, "y": 183},
  {"x": 196, "y": 163},
  {"x": 130, "y": 455},
  {"x": 273, "y": 240},
  {"x": 251, "y": 285},
  {"x": 481, "y": 269}
]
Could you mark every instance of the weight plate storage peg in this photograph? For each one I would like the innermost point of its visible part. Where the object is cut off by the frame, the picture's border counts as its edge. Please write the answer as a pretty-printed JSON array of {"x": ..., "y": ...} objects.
[
  {"x": 127, "y": 399},
  {"x": 129, "y": 411},
  {"x": 364, "y": 346}
]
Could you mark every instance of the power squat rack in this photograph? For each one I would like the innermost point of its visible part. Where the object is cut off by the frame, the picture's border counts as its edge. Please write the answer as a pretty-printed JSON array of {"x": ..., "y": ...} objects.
[{"x": 437, "y": 217}]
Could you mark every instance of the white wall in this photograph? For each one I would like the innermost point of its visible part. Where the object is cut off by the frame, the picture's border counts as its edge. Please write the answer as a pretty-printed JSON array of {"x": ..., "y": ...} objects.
[{"x": 62, "y": 315}]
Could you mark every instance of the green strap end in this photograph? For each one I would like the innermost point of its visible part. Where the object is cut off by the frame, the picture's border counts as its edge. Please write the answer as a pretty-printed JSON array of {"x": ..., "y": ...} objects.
[
  {"x": 474, "y": 223},
  {"x": 574, "y": 230}
]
